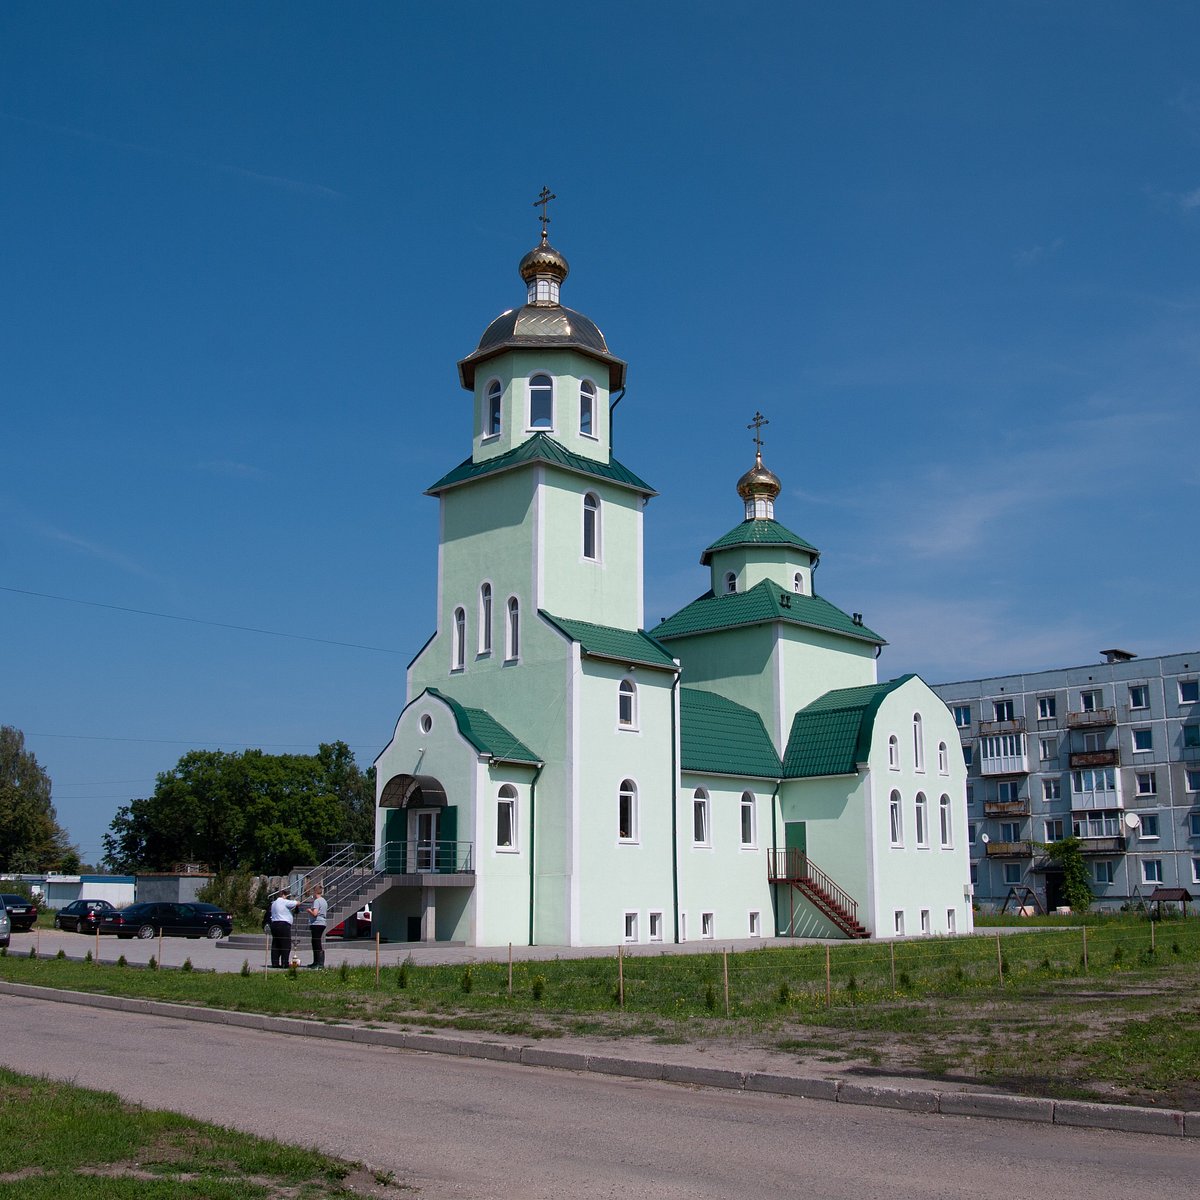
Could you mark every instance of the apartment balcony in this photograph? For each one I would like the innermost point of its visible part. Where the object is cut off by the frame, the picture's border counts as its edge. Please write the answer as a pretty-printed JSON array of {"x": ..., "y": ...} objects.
[
  {"x": 1102, "y": 845},
  {"x": 1006, "y": 764},
  {"x": 1095, "y": 758},
  {"x": 1006, "y": 808},
  {"x": 1096, "y": 718},
  {"x": 1010, "y": 849},
  {"x": 1016, "y": 725}
]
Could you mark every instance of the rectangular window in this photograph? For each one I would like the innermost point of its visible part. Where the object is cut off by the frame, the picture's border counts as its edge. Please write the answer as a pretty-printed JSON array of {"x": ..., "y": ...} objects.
[
  {"x": 1191, "y": 736},
  {"x": 962, "y": 715},
  {"x": 1003, "y": 709},
  {"x": 700, "y": 821},
  {"x": 1143, "y": 740},
  {"x": 1046, "y": 708},
  {"x": 896, "y": 820},
  {"x": 922, "y": 821},
  {"x": 971, "y": 830},
  {"x": 1194, "y": 824},
  {"x": 506, "y": 823},
  {"x": 1192, "y": 779},
  {"x": 627, "y": 817},
  {"x": 1010, "y": 831},
  {"x": 756, "y": 924},
  {"x": 1152, "y": 870},
  {"x": 1103, "y": 871},
  {"x": 899, "y": 919},
  {"x": 1189, "y": 691},
  {"x": 1099, "y": 824},
  {"x": 968, "y": 754},
  {"x": 631, "y": 927},
  {"x": 1008, "y": 791},
  {"x": 1051, "y": 789},
  {"x": 1102, "y": 780},
  {"x": 946, "y": 826},
  {"x": 1148, "y": 830},
  {"x": 1196, "y": 870},
  {"x": 974, "y": 874},
  {"x": 1090, "y": 701},
  {"x": 1012, "y": 873},
  {"x": 747, "y": 822},
  {"x": 656, "y": 934},
  {"x": 926, "y": 924},
  {"x": 1047, "y": 749},
  {"x": 1054, "y": 830},
  {"x": 1139, "y": 695},
  {"x": 706, "y": 926},
  {"x": 1147, "y": 784},
  {"x": 951, "y": 921}
]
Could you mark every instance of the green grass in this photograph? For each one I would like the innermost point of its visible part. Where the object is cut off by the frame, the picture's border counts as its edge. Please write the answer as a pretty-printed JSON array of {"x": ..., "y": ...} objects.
[{"x": 95, "y": 1145}]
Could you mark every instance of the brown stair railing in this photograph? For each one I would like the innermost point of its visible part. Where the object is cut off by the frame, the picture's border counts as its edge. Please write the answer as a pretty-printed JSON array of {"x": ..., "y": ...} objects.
[{"x": 795, "y": 867}]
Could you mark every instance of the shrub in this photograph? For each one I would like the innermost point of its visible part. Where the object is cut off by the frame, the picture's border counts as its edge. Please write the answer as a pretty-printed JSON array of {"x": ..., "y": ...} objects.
[
  {"x": 152, "y": 964},
  {"x": 122, "y": 962},
  {"x": 344, "y": 971},
  {"x": 245, "y": 968},
  {"x": 468, "y": 979},
  {"x": 537, "y": 987},
  {"x": 710, "y": 997},
  {"x": 33, "y": 952},
  {"x": 61, "y": 954},
  {"x": 784, "y": 995},
  {"x": 187, "y": 965},
  {"x": 87, "y": 958},
  {"x": 402, "y": 975},
  {"x": 904, "y": 981},
  {"x": 236, "y": 892}
]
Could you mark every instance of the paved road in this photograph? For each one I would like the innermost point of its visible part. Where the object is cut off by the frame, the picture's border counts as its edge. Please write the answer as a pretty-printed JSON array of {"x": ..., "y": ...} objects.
[{"x": 475, "y": 1129}]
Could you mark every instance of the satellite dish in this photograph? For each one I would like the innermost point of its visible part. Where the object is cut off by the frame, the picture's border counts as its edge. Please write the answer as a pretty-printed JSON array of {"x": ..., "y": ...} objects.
[
  {"x": 983, "y": 837},
  {"x": 1132, "y": 820}
]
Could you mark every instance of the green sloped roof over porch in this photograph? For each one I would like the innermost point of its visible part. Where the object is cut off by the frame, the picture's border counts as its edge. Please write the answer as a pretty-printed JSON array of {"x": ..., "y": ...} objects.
[
  {"x": 620, "y": 645},
  {"x": 485, "y": 733},
  {"x": 719, "y": 737}
]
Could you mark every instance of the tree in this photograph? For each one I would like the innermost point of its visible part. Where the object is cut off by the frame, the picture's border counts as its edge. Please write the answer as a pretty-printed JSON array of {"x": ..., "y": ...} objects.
[
  {"x": 31, "y": 839},
  {"x": 1067, "y": 855}
]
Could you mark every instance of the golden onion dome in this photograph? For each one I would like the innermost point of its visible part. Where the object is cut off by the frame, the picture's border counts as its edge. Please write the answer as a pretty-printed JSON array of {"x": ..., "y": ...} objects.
[
  {"x": 759, "y": 483},
  {"x": 544, "y": 260}
]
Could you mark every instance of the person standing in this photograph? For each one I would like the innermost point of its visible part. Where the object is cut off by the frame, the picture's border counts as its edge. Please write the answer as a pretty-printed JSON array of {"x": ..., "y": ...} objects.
[
  {"x": 318, "y": 914},
  {"x": 282, "y": 909}
]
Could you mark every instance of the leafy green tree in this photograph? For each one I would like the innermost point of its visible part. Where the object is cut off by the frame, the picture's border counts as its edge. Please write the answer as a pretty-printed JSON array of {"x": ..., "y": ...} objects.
[
  {"x": 31, "y": 839},
  {"x": 1067, "y": 855}
]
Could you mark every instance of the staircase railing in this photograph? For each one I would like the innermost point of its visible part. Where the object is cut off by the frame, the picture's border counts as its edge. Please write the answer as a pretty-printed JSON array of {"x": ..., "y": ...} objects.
[{"x": 795, "y": 867}]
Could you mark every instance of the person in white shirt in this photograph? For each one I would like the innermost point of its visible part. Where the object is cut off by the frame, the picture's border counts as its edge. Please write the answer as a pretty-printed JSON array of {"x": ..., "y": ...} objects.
[
  {"x": 282, "y": 908},
  {"x": 318, "y": 914}
]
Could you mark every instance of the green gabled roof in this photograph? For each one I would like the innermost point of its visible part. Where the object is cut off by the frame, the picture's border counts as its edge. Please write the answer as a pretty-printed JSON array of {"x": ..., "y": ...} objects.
[
  {"x": 759, "y": 531},
  {"x": 832, "y": 735},
  {"x": 485, "y": 733},
  {"x": 722, "y": 738},
  {"x": 762, "y": 603},
  {"x": 542, "y": 448},
  {"x": 621, "y": 645}
]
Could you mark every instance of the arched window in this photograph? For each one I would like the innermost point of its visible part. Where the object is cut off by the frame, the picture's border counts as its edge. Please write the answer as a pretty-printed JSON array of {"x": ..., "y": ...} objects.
[
  {"x": 587, "y": 407},
  {"x": 512, "y": 631},
  {"x": 458, "y": 654},
  {"x": 943, "y": 759},
  {"x": 541, "y": 402},
  {"x": 492, "y": 426},
  {"x": 627, "y": 704},
  {"x": 701, "y": 829},
  {"x": 896, "y": 819},
  {"x": 730, "y": 582},
  {"x": 922, "y": 820},
  {"x": 798, "y": 582},
  {"x": 947, "y": 828},
  {"x": 485, "y": 619},
  {"x": 918, "y": 743},
  {"x": 627, "y": 813},
  {"x": 506, "y": 818},
  {"x": 591, "y": 526},
  {"x": 749, "y": 833},
  {"x": 893, "y": 753}
]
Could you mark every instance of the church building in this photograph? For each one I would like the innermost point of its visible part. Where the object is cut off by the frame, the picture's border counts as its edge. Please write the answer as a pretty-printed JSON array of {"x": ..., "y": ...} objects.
[{"x": 560, "y": 775}]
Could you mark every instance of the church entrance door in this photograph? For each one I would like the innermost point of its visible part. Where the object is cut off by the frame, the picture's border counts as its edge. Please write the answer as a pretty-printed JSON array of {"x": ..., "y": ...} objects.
[{"x": 426, "y": 839}]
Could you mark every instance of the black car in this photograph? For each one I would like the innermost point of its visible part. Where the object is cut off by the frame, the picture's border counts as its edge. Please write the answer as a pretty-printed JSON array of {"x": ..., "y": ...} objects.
[
  {"x": 22, "y": 911},
  {"x": 172, "y": 920},
  {"x": 82, "y": 915}
]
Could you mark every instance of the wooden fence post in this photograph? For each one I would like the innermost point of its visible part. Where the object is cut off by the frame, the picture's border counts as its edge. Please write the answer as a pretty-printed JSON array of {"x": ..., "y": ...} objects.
[
  {"x": 621, "y": 976},
  {"x": 725, "y": 972},
  {"x": 377, "y": 958},
  {"x": 1085, "y": 956},
  {"x": 892, "y": 948},
  {"x": 510, "y": 970},
  {"x": 999, "y": 960},
  {"x": 828, "y": 980}
]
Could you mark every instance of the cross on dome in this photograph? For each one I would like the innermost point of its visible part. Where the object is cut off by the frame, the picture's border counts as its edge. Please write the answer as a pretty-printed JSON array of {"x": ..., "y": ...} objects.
[
  {"x": 757, "y": 424},
  {"x": 544, "y": 199}
]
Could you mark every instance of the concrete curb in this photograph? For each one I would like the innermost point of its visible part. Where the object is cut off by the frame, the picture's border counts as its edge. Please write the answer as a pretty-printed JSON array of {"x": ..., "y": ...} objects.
[{"x": 1123, "y": 1117}]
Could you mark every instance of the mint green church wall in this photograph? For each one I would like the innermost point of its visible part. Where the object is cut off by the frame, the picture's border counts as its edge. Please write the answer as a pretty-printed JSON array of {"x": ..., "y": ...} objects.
[
  {"x": 754, "y": 564},
  {"x": 739, "y": 664}
]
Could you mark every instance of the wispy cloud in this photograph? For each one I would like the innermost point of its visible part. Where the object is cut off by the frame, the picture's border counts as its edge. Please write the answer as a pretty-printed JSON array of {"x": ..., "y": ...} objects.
[
  {"x": 278, "y": 181},
  {"x": 1037, "y": 254},
  {"x": 96, "y": 550},
  {"x": 227, "y": 466},
  {"x": 1190, "y": 199}
]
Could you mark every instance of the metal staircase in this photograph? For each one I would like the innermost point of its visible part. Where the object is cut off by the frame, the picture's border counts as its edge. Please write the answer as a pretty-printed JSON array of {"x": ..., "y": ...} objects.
[
  {"x": 352, "y": 877},
  {"x": 795, "y": 869}
]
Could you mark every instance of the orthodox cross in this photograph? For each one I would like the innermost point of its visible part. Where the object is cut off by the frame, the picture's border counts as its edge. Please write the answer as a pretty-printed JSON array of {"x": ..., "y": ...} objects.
[
  {"x": 544, "y": 199},
  {"x": 757, "y": 424}
]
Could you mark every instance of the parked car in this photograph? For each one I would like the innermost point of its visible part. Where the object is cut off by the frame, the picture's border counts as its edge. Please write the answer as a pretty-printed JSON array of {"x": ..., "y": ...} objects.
[
  {"x": 82, "y": 915},
  {"x": 22, "y": 912},
  {"x": 5, "y": 926},
  {"x": 360, "y": 924},
  {"x": 149, "y": 919}
]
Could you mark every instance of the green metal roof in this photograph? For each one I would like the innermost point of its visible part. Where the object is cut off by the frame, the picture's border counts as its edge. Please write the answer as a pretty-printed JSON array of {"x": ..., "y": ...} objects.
[
  {"x": 621, "y": 645},
  {"x": 759, "y": 531},
  {"x": 542, "y": 448},
  {"x": 832, "y": 735},
  {"x": 485, "y": 733},
  {"x": 719, "y": 737},
  {"x": 763, "y": 603}
]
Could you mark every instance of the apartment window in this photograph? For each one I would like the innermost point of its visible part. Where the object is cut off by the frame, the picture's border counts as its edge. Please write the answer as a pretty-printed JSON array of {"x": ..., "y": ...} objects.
[
  {"x": 1090, "y": 701},
  {"x": 1054, "y": 830},
  {"x": 1196, "y": 870},
  {"x": 512, "y": 631},
  {"x": 492, "y": 422},
  {"x": 627, "y": 704},
  {"x": 1003, "y": 710},
  {"x": 459, "y": 640},
  {"x": 1147, "y": 784},
  {"x": 1008, "y": 791},
  {"x": 1152, "y": 870},
  {"x": 1052, "y": 789},
  {"x": 922, "y": 820},
  {"x": 587, "y": 407},
  {"x": 1047, "y": 708},
  {"x": 1148, "y": 830},
  {"x": 896, "y": 819},
  {"x": 1143, "y": 740},
  {"x": 1103, "y": 780},
  {"x": 747, "y": 819},
  {"x": 899, "y": 922},
  {"x": 700, "y": 815},
  {"x": 1093, "y": 743},
  {"x": 918, "y": 743},
  {"x": 1192, "y": 780},
  {"x": 506, "y": 818},
  {"x": 962, "y": 715},
  {"x": 943, "y": 759},
  {"x": 971, "y": 831},
  {"x": 706, "y": 925},
  {"x": 656, "y": 927},
  {"x": 631, "y": 927},
  {"x": 1103, "y": 871},
  {"x": 1139, "y": 696},
  {"x": 730, "y": 582},
  {"x": 1191, "y": 736},
  {"x": 541, "y": 402},
  {"x": 1194, "y": 824},
  {"x": 1048, "y": 749},
  {"x": 970, "y": 794},
  {"x": 1189, "y": 691},
  {"x": 951, "y": 921},
  {"x": 968, "y": 754},
  {"x": 485, "y": 619},
  {"x": 946, "y": 828},
  {"x": 756, "y": 924},
  {"x": 1012, "y": 873},
  {"x": 1104, "y": 823},
  {"x": 893, "y": 753},
  {"x": 1010, "y": 831},
  {"x": 974, "y": 873},
  {"x": 591, "y": 527},
  {"x": 627, "y": 814}
]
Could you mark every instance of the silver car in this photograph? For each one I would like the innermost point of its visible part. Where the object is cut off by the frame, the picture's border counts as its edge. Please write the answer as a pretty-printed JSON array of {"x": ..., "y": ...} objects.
[{"x": 5, "y": 926}]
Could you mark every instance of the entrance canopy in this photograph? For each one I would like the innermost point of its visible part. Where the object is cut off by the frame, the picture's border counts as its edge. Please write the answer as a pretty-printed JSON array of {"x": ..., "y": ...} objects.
[{"x": 412, "y": 791}]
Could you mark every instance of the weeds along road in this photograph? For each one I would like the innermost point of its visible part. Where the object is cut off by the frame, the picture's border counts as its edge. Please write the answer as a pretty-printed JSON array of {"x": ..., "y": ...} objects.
[{"x": 474, "y": 1129}]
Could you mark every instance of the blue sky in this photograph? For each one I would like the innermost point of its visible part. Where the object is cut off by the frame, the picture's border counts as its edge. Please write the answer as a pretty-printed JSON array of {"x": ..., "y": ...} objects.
[{"x": 949, "y": 250}]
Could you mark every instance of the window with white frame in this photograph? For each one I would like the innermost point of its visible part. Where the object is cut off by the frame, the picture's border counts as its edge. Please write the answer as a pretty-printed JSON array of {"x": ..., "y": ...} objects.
[
  {"x": 491, "y": 421},
  {"x": 506, "y": 818},
  {"x": 1147, "y": 783},
  {"x": 1194, "y": 824},
  {"x": 1103, "y": 779},
  {"x": 1052, "y": 789},
  {"x": 1191, "y": 737},
  {"x": 968, "y": 754},
  {"x": 1054, "y": 829},
  {"x": 1148, "y": 829},
  {"x": 926, "y": 924},
  {"x": 591, "y": 527},
  {"x": 1191, "y": 780},
  {"x": 1008, "y": 791},
  {"x": 587, "y": 408},
  {"x": 962, "y": 715},
  {"x": 627, "y": 811},
  {"x": 730, "y": 582},
  {"x": 1003, "y": 709},
  {"x": 918, "y": 743},
  {"x": 459, "y": 640},
  {"x": 943, "y": 759},
  {"x": 922, "y": 820},
  {"x": 707, "y": 927},
  {"x": 1010, "y": 831},
  {"x": 631, "y": 927},
  {"x": 896, "y": 819},
  {"x": 627, "y": 704},
  {"x": 898, "y": 920},
  {"x": 541, "y": 402},
  {"x": 1047, "y": 708},
  {"x": 1139, "y": 695},
  {"x": 944, "y": 815},
  {"x": 1103, "y": 871},
  {"x": 700, "y": 818},
  {"x": 512, "y": 631},
  {"x": 951, "y": 921},
  {"x": 1143, "y": 740},
  {"x": 1090, "y": 701},
  {"x": 893, "y": 753},
  {"x": 1012, "y": 873},
  {"x": 748, "y": 831},
  {"x": 1094, "y": 743},
  {"x": 798, "y": 582},
  {"x": 1047, "y": 749},
  {"x": 656, "y": 927},
  {"x": 1196, "y": 870},
  {"x": 1152, "y": 870},
  {"x": 1099, "y": 823},
  {"x": 683, "y": 927},
  {"x": 756, "y": 924},
  {"x": 485, "y": 618},
  {"x": 1189, "y": 691}
]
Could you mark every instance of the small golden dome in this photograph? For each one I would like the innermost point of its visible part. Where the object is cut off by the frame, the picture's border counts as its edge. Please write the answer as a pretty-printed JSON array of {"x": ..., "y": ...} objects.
[
  {"x": 759, "y": 483},
  {"x": 544, "y": 260}
]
